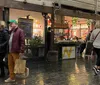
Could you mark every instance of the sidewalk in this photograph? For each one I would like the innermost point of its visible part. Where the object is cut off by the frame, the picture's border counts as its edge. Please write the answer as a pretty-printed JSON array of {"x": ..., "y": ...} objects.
[{"x": 68, "y": 72}]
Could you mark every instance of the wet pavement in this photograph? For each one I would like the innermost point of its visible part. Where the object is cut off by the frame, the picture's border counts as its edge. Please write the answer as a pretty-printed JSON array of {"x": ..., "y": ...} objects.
[{"x": 67, "y": 72}]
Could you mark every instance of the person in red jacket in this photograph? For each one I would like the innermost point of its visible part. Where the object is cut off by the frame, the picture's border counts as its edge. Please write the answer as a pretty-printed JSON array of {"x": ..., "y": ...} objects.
[{"x": 16, "y": 48}]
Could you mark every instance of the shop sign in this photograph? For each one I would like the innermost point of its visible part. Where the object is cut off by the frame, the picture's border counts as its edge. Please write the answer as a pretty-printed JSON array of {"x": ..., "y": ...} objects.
[{"x": 68, "y": 52}]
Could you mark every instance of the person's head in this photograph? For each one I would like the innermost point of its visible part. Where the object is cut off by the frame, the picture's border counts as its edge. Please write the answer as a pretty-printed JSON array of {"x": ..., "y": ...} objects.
[
  {"x": 97, "y": 25},
  {"x": 2, "y": 25},
  {"x": 13, "y": 24}
]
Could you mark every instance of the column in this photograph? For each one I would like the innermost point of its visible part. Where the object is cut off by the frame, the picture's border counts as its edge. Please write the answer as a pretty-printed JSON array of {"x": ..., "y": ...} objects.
[{"x": 6, "y": 15}]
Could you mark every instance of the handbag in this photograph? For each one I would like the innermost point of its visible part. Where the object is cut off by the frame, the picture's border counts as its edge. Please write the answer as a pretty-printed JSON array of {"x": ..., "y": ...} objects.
[
  {"x": 20, "y": 66},
  {"x": 89, "y": 46}
]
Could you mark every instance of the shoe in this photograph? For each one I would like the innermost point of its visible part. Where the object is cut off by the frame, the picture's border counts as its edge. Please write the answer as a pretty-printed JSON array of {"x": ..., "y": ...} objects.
[
  {"x": 27, "y": 72},
  {"x": 98, "y": 71},
  {"x": 9, "y": 80},
  {"x": 95, "y": 71}
]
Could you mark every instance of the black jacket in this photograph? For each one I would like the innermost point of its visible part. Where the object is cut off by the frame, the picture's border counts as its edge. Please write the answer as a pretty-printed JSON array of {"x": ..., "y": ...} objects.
[
  {"x": 4, "y": 38},
  {"x": 88, "y": 36}
]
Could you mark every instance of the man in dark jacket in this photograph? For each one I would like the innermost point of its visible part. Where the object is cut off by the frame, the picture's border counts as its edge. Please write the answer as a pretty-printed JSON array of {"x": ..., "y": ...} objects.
[
  {"x": 16, "y": 47},
  {"x": 83, "y": 45},
  {"x": 3, "y": 46}
]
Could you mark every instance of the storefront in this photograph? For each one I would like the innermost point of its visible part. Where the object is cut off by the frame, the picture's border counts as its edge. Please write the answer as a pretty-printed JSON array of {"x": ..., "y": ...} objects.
[
  {"x": 68, "y": 28},
  {"x": 33, "y": 25},
  {"x": 77, "y": 27},
  {"x": 80, "y": 27},
  {"x": 68, "y": 38},
  {"x": 38, "y": 20}
]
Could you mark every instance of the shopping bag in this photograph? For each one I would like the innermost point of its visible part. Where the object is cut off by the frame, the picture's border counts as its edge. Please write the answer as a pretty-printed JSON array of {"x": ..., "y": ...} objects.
[
  {"x": 23, "y": 75},
  {"x": 20, "y": 66}
]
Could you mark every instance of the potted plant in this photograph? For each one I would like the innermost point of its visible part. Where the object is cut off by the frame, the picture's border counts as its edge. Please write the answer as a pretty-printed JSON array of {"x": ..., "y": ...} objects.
[{"x": 34, "y": 44}]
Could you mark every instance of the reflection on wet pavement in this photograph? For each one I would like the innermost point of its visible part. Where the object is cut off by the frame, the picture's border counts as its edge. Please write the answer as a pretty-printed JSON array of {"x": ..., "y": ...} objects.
[{"x": 67, "y": 72}]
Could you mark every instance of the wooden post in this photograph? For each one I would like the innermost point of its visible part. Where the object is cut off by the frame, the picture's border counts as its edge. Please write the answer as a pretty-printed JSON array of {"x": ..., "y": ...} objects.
[
  {"x": 45, "y": 26},
  {"x": 6, "y": 15},
  {"x": 27, "y": 38},
  {"x": 52, "y": 26},
  {"x": 80, "y": 31}
]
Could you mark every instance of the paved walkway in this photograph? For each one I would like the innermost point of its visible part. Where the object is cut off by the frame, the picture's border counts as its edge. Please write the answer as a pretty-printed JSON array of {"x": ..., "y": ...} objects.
[{"x": 68, "y": 72}]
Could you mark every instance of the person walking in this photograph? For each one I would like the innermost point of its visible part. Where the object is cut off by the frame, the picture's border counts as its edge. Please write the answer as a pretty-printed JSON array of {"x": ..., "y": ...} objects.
[
  {"x": 3, "y": 47},
  {"x": 95, "y": 37},
  {"x": 83, "y": 45},
  {"x": 16, "y": 48}
]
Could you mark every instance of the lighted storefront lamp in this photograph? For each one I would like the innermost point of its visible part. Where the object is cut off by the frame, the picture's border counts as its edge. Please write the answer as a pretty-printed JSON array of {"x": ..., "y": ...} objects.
[{"x": 49, "y": 22}]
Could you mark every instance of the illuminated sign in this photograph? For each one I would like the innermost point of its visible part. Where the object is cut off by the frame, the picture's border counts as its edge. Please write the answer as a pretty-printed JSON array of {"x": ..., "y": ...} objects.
[{"x": 68, "y": 52}]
